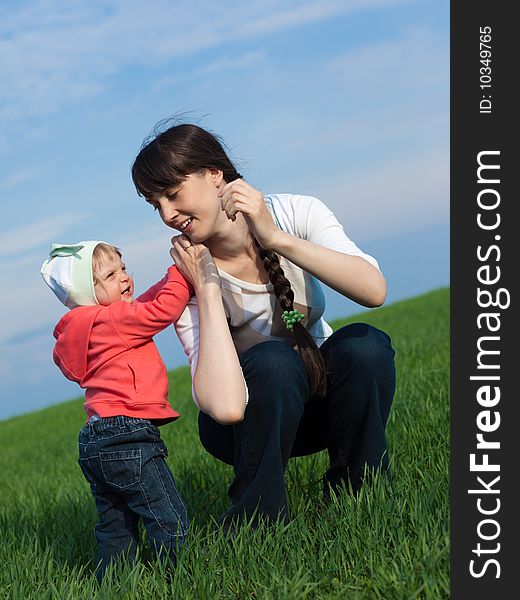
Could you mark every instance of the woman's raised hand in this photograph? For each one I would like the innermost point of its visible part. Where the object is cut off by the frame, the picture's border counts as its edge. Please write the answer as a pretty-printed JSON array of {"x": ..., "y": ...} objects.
[
  {"x": 239, "y": 196},
  {"x": 195, "y": 262}
]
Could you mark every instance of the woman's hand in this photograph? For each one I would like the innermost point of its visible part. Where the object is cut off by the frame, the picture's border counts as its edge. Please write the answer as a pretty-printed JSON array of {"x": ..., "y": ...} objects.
[
  {"x": 218, "y": 381},
  {"x": 195, "y": 262},
  {"x": 239, "y": 196}
]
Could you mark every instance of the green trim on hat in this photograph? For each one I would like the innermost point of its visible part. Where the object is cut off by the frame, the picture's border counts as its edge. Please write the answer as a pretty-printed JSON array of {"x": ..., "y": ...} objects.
[{"x": 82, "y": 290}]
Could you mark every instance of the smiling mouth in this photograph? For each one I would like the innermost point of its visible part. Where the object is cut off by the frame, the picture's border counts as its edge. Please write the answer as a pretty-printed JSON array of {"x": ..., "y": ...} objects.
[
  {"x": 186, "y": 223},
  {"x": 127, "y": 290}
]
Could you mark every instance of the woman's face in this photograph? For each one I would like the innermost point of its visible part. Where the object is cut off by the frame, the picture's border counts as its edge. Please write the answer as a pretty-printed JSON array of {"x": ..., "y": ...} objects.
[{"x": 193, "y": 207}]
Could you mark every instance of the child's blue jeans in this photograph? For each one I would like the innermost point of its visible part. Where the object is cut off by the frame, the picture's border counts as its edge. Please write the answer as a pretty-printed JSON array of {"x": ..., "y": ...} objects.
[{"x": 123, "y": 459}]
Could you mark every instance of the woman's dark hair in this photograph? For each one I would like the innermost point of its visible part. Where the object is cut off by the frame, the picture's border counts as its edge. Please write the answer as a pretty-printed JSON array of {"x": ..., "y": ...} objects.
[
  {"x": 168, "y": 158},
  {"x": 165, "y": 161}
]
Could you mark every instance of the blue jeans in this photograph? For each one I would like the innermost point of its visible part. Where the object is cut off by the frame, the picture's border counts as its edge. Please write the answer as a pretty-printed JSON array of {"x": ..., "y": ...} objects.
[
  {"x": 281, "y": 421},
  {"x": 123, "y": 459}
]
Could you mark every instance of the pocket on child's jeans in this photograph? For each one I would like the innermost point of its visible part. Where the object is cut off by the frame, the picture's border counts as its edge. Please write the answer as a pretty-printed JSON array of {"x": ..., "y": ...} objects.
[{"x": 121, "y": 468}]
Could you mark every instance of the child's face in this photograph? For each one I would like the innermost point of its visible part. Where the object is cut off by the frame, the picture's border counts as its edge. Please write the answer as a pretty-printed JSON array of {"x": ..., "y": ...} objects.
[{"x": 114, "y": 284}]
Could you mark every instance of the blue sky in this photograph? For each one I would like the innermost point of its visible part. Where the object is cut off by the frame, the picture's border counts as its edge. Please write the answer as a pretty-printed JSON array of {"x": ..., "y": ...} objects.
[{"x": 344, "y": 100}]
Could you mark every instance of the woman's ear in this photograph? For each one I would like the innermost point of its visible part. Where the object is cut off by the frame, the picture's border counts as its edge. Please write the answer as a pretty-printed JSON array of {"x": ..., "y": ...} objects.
[{"x": 217, "y": 177}]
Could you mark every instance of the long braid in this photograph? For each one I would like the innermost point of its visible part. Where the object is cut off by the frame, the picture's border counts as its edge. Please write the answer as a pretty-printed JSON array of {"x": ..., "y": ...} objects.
[{"x": 309, "y": 351}]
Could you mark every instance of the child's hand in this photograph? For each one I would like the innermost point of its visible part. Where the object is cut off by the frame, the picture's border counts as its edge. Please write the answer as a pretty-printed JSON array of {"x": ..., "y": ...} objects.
[{"x": 195, "y": 262}]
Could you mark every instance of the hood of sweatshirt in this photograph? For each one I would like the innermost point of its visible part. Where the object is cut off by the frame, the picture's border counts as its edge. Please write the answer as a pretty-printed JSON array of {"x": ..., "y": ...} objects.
[{"x": 72, "y": 335}]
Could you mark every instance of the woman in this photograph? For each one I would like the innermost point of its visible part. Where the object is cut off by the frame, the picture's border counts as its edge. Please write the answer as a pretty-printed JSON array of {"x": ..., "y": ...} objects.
[{"x": 270, "y": 378}]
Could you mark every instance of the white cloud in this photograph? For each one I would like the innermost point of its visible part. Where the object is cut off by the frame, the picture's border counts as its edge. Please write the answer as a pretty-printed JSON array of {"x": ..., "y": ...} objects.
[
  {"x": 57, "y": 52},
  {"x": 214, "y": 68},
  {"x": 362, "y": 134},
  {"x": 301, "y": 13},
  {"x": 414, "y": 59},
  {"x": 30, "y": 304},
  {"x": 18, "y": 177},
  {"x": 25, "y": 237},
  {"x": 392, "y": 199},
  {"x": 393, "y": 195},
  {"x": 381, "y": 164}
]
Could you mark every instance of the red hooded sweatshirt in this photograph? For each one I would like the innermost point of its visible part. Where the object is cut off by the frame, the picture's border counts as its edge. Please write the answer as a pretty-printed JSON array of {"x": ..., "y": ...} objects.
[{"x": 109, "y": 351}]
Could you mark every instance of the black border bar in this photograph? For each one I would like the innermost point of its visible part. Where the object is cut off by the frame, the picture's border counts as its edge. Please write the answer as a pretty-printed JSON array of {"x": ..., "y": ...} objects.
[{"x": 485, "y": 397}]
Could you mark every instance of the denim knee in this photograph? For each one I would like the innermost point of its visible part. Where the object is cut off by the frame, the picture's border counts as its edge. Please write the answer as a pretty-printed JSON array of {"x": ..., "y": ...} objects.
[
  {"x": 274, "y": 370},
  {"x": 360, "y": 345}
]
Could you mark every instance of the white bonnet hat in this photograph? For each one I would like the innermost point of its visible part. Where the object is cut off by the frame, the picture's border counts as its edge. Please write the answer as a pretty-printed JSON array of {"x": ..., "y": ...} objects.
[{"x": 68, "y": 272}]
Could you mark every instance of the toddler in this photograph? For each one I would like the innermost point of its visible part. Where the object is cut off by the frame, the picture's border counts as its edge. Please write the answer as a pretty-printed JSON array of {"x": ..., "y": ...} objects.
[{"x": 105, "y": 344}]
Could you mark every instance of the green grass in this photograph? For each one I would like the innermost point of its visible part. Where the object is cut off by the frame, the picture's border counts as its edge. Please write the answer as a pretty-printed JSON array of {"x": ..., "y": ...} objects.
[{"x": 383, "y": 544}]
